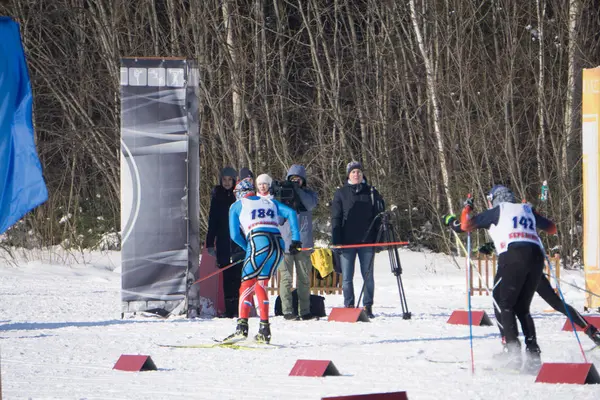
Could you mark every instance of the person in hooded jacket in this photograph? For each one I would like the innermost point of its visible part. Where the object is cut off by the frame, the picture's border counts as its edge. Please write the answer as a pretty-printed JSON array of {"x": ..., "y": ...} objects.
[
  {"x": 305, "y": 200},
  {"x": 219, "y": 243},
  {"x": 354, "y": 220}
]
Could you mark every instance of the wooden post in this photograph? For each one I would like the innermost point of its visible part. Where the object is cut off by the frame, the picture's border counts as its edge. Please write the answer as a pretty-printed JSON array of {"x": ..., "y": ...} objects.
[{"x": 487, "y": 275}]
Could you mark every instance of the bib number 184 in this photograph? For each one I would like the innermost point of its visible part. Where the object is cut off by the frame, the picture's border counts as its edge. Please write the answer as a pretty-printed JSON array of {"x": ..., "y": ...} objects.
[{"x": 262, "y": 213}]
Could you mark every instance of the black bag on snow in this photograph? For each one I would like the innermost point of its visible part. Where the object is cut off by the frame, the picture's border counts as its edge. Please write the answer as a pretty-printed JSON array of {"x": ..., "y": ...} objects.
[{"x": 317, "y": 305}]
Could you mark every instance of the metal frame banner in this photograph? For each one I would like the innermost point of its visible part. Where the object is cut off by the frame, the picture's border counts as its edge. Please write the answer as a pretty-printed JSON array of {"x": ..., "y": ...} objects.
[{"x": 160, "y": 206}]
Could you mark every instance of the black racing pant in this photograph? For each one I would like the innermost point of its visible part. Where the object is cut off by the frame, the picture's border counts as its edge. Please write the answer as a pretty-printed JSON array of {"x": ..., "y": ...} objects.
[
  {"x": 547, "y": 293},
  {"x": 519, "y": 273}
]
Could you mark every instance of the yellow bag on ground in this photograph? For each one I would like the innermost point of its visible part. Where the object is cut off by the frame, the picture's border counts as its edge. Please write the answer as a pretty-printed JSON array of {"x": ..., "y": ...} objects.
[{"x": 322, "y": 260}]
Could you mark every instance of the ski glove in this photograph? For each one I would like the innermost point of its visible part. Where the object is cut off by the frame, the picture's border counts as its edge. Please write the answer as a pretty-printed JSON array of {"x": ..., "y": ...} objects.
[
  {"x": 448, "y": 219},
  {"x": 453, "y": 223},
  {"x": 295, "y": 247},
  {"x": 487, "y": 248}
]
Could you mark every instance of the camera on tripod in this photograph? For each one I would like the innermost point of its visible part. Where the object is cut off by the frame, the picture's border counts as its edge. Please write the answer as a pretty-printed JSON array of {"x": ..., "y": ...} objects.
[{"x": 387, "y": 234}]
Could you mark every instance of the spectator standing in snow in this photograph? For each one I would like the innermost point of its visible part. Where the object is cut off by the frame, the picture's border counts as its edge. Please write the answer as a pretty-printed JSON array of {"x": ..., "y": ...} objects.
[
  {"x": 218, "y": 241},
  {"x": 354, "y": 220},
  {"x": 304, "y": 201}
]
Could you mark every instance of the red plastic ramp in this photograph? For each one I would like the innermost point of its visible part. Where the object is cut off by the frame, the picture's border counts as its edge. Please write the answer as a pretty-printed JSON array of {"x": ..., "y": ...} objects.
[
  {"x": 591, "y": 319},
  {"x": 314, "y": 368},
  {"x": 371, "y": 396},
  {"x": 343, "y": 314},
  {"x": 573, "y": 373},
  {"x": 128, "y": 362},
  {"x": 461, "y": 317}
]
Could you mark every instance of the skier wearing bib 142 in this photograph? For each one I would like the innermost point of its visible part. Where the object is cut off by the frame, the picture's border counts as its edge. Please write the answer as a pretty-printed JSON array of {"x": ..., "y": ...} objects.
[
  {"x": 512, "y": 226},
  {"x": 258, "y": 217}
]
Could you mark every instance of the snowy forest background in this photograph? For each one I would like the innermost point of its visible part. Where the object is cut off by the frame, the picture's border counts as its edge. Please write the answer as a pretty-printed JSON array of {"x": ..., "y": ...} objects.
[{"x": 437, "y": 98}]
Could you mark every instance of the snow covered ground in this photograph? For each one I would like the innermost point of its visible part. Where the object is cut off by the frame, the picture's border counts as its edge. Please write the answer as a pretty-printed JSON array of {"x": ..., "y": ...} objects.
[{"x": 61, "y": 334}]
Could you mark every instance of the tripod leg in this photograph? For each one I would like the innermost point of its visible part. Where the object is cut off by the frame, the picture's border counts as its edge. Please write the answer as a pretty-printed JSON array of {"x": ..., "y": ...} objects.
[{"x": 397, "y": 270}]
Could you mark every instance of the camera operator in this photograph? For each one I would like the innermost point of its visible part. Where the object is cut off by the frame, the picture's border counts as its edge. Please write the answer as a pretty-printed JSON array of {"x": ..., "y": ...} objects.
[
  {"x": 353, "y": 210},
  {"x": 293, "y": 192}
]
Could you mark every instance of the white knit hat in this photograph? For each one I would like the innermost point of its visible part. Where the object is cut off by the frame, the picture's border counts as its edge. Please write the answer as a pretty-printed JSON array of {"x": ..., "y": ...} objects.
[{"x": 264, "y": 178}]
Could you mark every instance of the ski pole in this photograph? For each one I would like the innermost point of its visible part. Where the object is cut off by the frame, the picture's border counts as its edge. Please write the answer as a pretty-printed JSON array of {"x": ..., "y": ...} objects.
[
  {"x": 217, "y": 271},
  {"x": 572, "y": 285},
  {"x": 562, "y": 298},
  {"x": 469, "y": 296},
  {"x": 351, "y": 246}
]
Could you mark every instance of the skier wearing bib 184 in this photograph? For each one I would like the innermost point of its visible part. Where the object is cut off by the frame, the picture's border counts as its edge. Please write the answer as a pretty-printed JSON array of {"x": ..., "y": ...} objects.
[
  {"x": 258, "y": 217},
  {"x": 512, "y": 226}
]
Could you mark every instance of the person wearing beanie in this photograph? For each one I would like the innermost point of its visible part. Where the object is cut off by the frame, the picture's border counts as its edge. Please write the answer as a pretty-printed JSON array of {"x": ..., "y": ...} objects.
[
  {"x": 354, "y": 209},
  {"x": 263, "y": 185},
  {"x": 254, "y": 226},
  {"x": 218, "y": 242},
  {"x": 305, "y": 200},
  {"x": 246, "y": 173},
  {"x": 352, "y": 165}
]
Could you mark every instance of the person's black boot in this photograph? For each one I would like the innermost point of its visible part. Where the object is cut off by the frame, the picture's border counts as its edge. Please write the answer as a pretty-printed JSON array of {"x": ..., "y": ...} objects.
[
  {"x": 369, "y": 311},
  {"x": 231, "y": 307}
]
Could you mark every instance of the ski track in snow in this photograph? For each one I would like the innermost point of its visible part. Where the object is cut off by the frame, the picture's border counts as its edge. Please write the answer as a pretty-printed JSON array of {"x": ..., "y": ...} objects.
[{"x": 61, "y": 334}]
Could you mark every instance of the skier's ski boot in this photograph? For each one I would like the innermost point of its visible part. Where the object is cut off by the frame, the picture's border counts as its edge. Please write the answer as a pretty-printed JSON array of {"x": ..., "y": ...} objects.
[
  {"x": 533, "y": 360},
  {"x": 593, "y": 334},
  {"x": 510, "y": 358},
  {"x": 241, "y": 332},
  {"x": 264, "y": 333}
]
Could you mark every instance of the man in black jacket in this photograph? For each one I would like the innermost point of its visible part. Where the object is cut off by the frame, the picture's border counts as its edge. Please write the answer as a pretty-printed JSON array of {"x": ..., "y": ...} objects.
[
  {"x": 354, "y": 208},
  {"x": 222, "y": 197}
]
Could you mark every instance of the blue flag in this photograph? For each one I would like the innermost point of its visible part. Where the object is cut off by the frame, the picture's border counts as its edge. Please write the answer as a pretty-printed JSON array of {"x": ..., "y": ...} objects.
[{"x": 22, "y": 186}]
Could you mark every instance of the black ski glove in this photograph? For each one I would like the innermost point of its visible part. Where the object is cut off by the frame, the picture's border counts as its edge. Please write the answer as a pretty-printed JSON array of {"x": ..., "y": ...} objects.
[
  {"x": 487, "y": 248},
  {"x": 295, "y": 247}
]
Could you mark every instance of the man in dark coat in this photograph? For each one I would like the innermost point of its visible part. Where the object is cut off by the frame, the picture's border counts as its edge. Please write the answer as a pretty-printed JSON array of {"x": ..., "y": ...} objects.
[
  {"x": 219, "y": 243},
  {"x": 354, "y": 212}
]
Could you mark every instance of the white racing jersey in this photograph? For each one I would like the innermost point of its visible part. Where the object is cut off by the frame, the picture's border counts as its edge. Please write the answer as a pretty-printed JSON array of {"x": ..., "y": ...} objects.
[
  {"x": 516, "y": 223},
  {"x": 258, "y": 212}
]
